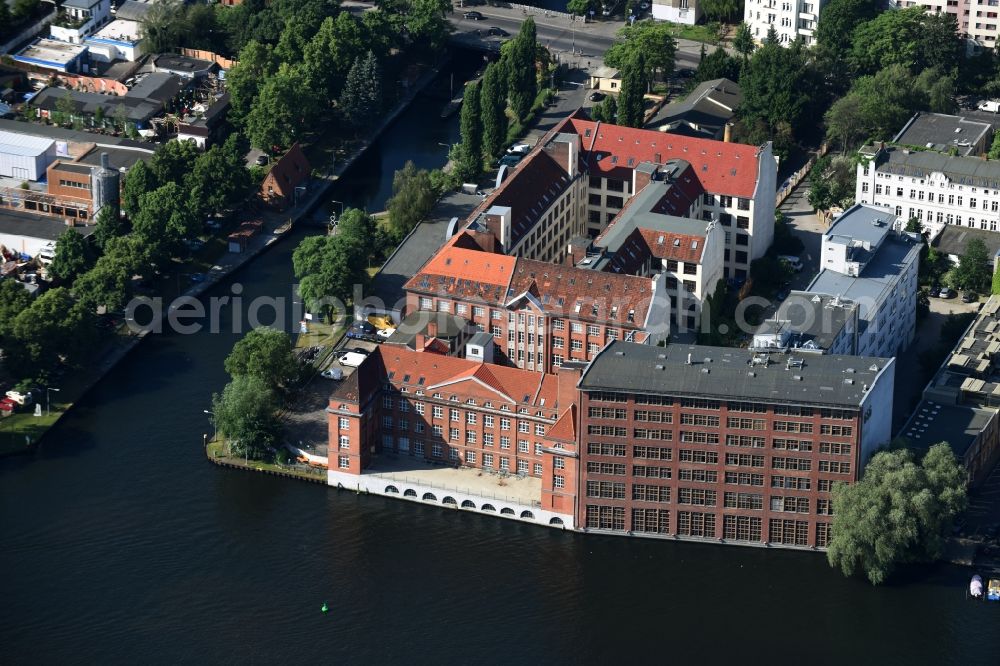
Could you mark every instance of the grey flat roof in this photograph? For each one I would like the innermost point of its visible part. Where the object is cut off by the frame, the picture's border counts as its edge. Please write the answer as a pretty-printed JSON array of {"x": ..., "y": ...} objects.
[
  {"x": 181, "y": 63},
  {"x": 133, "y": 11},
  {"x": 159, "y": 86},
  {"x": 970, "y": 171},
  {"x": 138, "y": 109},
  {"x": 17, "y": 223},
  {"x": 638, "y": 215},
  {"x": 53, "y": 132},
  {"x": 953, "y": 239},
  {"x": 710, "y": 105},
  {"x": 941, "y": 132},
  {"x": 726, "y": 373},
  {"x": 934, "y": 422},
  {"x": 75, "y": 167},
  {"x": 863, "y": 223},
  {"x": 883, "y": 268},
  {"x": 816, "y": 318},
  {"x": 119, "y": 158},
  {"x": 80, "y": 4}
]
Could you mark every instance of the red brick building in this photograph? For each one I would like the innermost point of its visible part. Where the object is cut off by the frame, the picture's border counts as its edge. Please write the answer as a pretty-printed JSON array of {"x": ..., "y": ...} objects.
[
  {"x": 723, "y": 444},
  {"x": 289, "y": 172},
  {"x": 453, "y": 411},
  {"x": 540, "y": 315}
]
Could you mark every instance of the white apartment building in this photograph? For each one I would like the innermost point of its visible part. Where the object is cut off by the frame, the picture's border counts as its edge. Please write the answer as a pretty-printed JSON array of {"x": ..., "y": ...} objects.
[
  {"x": 976, "y": 19},
  {"x": 936, "y": 189},
  {"x": 677, "y": 11},
  {"x": 790, "y": 18},
  {"x": 80, "y": 18},
  {"x": 867, "y": 261}
]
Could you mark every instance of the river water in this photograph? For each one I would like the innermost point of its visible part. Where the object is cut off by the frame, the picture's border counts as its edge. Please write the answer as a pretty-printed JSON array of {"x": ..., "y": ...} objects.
[{"x": 120, "y": 543}]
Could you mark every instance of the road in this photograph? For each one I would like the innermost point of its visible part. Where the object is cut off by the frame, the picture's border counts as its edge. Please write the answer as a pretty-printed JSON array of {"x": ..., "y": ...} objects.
[{"x": 584, "y": 43}]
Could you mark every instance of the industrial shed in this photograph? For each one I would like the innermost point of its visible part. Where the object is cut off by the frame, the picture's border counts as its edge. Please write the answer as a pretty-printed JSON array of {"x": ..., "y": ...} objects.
[{"x": 25, "y": 157}]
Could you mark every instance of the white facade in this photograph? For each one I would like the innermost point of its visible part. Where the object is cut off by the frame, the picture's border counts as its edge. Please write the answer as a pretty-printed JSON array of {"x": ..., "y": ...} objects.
[
  {"x": 677, "y": 11},
  {"x": 118, "y": 40},
  {"x": 936, "y": 189},
  {"x": 867, "y": 261},
  {"x": 876, "y": 412},
  {"x": 25, "y": 157},
  {"x": 80, "y": 18},
  {"x": 449, "y": 498},
  {"x": 790, "y": 18}
]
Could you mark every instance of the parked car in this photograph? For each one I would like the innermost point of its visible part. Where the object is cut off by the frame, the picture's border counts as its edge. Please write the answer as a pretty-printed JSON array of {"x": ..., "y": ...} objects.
[
  {"x": 519, "y": 149},
  {"x": 360, "y": 330},
  {"x": 20, "y": 398},
  {"x": 685, "y": 73},
  {"x": 596, "y": 96},
  {"x": 989, "y": 105},
  {"x": 947, "y": 292},
  {"x": 497, "y": 32},
  {"x": 969, "y": 297},
  {"x": 474, "y": 16},
  {"x": 360, "y": 350},
  {"x": 934, "y": 290},
  {"x": 332, "y": 373},
  {"x": 261, "y": 160},
  {"x": 509, "y": 160},
  {"x": 792, "y": 261}
]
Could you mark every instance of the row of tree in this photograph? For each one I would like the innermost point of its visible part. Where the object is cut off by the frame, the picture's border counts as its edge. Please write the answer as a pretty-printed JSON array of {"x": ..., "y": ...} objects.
[
  {"x": 509, "y": 86},
  {"x": 166, "y": 201}
]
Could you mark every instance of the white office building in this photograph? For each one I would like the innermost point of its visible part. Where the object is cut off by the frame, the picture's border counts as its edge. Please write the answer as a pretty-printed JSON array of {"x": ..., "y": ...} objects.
[
  {"x": 677, "y": 11},
  {"x": 936, "y": 189},
  {"x": 868, "y": 261},
  {"x": 790, "y": 18}
]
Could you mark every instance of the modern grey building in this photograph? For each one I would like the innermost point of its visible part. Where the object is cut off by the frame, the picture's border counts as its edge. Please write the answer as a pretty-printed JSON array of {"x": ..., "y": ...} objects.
[{"x": 953, "y": 135}]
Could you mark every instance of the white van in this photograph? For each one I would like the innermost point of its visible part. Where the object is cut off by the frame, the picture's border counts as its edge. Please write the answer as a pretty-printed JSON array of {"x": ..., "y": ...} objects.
[
  {"x": 792, "y": 261},
  {"x": 989, "y": 105}
]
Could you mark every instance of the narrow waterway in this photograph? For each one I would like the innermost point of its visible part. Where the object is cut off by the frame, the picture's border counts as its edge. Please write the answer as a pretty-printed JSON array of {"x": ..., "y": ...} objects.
[{"x": 120, "y": 543}]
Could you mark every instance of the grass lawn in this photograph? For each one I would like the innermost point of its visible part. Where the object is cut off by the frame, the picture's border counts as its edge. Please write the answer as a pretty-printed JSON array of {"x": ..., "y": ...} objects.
[
  {"x": 708, "y": 33},
  {"x": 320, "y": 334},
  {"x": 215, "y": 450}
]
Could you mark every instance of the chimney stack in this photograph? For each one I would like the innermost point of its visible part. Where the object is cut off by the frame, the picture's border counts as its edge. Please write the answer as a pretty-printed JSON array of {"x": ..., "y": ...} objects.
[{"x": 727, "y": 136}]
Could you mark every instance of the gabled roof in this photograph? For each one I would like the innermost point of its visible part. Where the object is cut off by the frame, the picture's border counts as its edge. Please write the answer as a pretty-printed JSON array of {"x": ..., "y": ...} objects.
[
  {"x": 721, "y": 168},
  {"x": 292, "y": 169},
  {"x": 565, "y": 428},
  {"x": 461, "y": 272}
]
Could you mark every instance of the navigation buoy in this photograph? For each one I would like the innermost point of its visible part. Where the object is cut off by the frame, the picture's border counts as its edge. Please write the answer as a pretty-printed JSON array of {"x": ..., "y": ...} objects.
[{"x": 324, "y": 608}]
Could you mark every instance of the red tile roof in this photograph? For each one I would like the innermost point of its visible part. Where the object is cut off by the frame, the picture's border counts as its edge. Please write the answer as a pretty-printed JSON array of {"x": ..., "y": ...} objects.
[
  {"x": 565, "y": 428},
  {"x": 667, "y": 245},
  {"x": 722, "y": 168},
  {"x": 460, "y": 272},
  {"x": 288, "y": 172},
  {"x": 416, "y": 370}
]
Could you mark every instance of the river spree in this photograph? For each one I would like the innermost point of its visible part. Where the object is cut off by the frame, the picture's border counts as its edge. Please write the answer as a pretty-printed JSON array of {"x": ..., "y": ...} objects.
[{"x": 120, "y": 543}]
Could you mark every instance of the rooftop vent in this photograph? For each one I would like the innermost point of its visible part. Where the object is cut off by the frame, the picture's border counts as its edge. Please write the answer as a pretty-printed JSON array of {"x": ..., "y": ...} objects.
[
  {"x": 797, "y": 378},
  {"x": 704, "y": 370}
]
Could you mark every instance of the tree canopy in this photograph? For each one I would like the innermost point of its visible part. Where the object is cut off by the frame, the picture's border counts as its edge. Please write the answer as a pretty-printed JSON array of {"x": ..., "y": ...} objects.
[
  {"x": 909, "y": 37},
  {"x": 974, "y": 270},
  {"x": 650, "y": 39},
  {"x": 631, "y": 108},
  {"x": 73, "y": 256},
  {"x": 413, "y": 197},
  {"x": 246, "y": 414},
  {"x": 264, "y": 353},
  {"x": 899, "y": 512}
]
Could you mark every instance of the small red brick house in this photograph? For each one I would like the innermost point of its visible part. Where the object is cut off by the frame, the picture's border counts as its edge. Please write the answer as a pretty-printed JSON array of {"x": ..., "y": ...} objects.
[{"x": 291, "y": 171}]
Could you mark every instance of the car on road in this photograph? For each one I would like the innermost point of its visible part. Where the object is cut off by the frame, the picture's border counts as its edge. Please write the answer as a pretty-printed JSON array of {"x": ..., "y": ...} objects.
[
  {"x": 494, "y": 31},
  {"x": 474, "y": 16},
  {"x": 197, "y": 277},
  {"x": 969, "y": 297},
  {"x": 332, "y": 373},
  {"x": 947, "y": 292},
  {"x": 596, "y": 96}
]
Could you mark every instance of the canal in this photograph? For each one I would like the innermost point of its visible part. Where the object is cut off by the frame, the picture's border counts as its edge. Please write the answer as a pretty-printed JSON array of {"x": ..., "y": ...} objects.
[{"x": 120, "y": 543}]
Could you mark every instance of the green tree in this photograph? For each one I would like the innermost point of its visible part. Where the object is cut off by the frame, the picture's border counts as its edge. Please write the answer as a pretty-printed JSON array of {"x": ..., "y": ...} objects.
[
  {"x": 104, "y": 285},
  {"x": 120, "y": 118},
  {"x": 264, "y": 353},
  {"x": 470, "y": 164},
  {"x": 328, "y": 267},
  {"x": 246, "y": 413},
  {"x": 65, "y": 108},
  {"x": 426, "y": 23},
  {"x": 899, "y": 512},
  {"x": 839, "y": 18},
  {"x": 173, "y": 161},
  {"x": 907, "y": 37},
  {"x": 5, "y": 16},
  {"x": 219, "y": 178},
  {"x": 653, "y": 40},
  {"x": 521, "y": 70},
  {"x": 138, "y": 181},
  {"x": 255, "y": 64},
  {"x": 413, "y": 197},
  {"x": 73, "y": 256},
  {"x": 13, "y": 299},
  {"x": 53, "y": 327},
  {"x": 493, "y": 104},
  {"x": 283, "y": 108},
  {"x": 23, "y": 9},
  {"x": 721, "y": 10},
  {"x": 582, "y": 7},
  {"x": 717, "y": 65},
  {"x": 995, "y": 285},
  {"x": 743, "y": 42},
  {"x": 630, "y": 100},
  {"x": 361, "y": 98},
  {"x": 973, "y": 270},
  {"x": 108, "y": 224},
  {"x": 165, "y": 217}
]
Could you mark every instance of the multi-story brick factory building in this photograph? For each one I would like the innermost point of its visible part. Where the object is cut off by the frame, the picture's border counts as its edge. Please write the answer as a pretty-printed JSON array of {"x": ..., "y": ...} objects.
[{"x": 728, "y": 444}]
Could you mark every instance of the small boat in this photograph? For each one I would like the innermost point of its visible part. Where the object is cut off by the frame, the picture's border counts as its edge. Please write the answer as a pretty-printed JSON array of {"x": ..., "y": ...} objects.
[
  {"x": 993, "y": 591},
  {"x": 976, "y": 587},
  {"x": 451, "y": 107}
]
